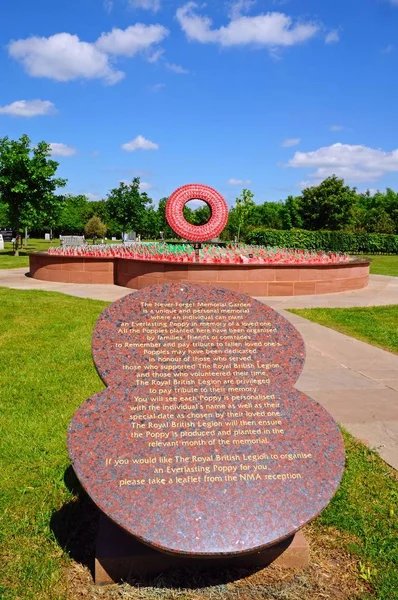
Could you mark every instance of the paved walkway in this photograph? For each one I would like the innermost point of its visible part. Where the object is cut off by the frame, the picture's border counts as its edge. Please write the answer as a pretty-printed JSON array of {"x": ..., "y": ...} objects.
[{"x": 356, "y": 382}]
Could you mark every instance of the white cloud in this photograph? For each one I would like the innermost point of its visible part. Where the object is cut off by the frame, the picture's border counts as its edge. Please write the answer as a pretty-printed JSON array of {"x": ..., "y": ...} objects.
[
  {"x": 127, "y": 42},
  {"x": 144, "y": 186},
  {"x": 155, "y": 56},
  {"x": 306, "y": 184},
  {"x": 291, "y": 142},
  {"x": 61, "y": 149},
  {"x": 28, "y": 108},
  {"x": 157, "y": 87},
  {"x": 233, "y": 181},
  {"x": 108, "y": 6},
  {"x": 354, "y": 163},
  {"x": 236, "y": 9},
  {"x": 176, "y": 68},
  {"x": 93, "y": 197},
  {"x": 337, "y": 127},
  {"x": 333, "y": 37},
  {"x": 63, "y": 57},
  {"x": 153, "y": 5},
  {"x": 270, "y": 29},
  {"x": 139, "y": 143}
]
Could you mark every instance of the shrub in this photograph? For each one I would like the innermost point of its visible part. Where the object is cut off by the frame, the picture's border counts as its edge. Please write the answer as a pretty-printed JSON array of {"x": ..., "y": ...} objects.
[
  {"x": 329, "y": 241},
  {"x": 95, "y": 228}
]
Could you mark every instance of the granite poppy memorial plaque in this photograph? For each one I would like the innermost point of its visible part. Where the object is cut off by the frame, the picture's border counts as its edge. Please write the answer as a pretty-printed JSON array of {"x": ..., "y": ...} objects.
[{"x": 200, "y": 445}]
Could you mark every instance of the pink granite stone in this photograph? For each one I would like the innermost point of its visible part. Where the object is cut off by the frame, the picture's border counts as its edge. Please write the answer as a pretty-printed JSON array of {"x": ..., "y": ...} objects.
[{"x": 200, "y": 444}]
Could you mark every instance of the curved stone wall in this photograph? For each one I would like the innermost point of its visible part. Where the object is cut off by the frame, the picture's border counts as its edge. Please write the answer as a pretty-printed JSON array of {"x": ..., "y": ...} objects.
[
  {"x": 71, "y": 269},
  {"x": 255, "y": 280}
]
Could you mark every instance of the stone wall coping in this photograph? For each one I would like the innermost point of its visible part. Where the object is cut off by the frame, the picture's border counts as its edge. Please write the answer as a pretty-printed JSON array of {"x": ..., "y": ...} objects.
[{"x": 353, "y": 261}]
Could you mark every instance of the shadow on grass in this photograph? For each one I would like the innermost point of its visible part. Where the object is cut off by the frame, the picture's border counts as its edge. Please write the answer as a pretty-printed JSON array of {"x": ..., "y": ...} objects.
[
  {"x": 75, "y": 527},
  {"x": 20, "y": 253}
]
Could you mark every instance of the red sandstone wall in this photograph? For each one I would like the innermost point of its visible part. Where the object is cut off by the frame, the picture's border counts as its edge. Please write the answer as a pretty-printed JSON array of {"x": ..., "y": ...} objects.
[
  {"x": 262, "y": 280},
  {"x": 285, "y": 280},
  {"x": 71, "y": 269}
]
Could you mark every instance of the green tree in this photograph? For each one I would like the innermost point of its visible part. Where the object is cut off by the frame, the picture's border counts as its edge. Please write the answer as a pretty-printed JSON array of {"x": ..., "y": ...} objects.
[
  {"x": 377, "y": 220},
  {"x": 269, "y": 214},
  {"x": 127, "y": 206},
  {"x": 95, "y": 228},
  {"x": 4, "y": 216},
  {"x": 201, "y": 215},
  {"x": 73, "y": 214},
  {"x": 292, "y": 216},
  {"x": 162, "y": 221},
  {"x": 150, "y": 226},
  {"x": 380, "y": 211},
  {"x": 239, "y": 216},
  {"x": 328, "y": 205},
  {"x": 28, "y": 183},
  {"x": 97, "y": 208}
]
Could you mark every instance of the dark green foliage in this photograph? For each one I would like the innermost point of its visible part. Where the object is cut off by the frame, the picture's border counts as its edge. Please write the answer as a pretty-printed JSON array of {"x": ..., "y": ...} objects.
[
  {"x": 242, "y": 214},
  {"x": 127, "y": 206},
  {"x": 99, "y": 208},
  {"x": 197, "y": 216},
  {"x": 28, "y": 199},
  {"x": 292, "y": 216},
  {"x": 328, "y": 205},
  {"x": 28, "y": 183},
  {"x": 95, "y": 228},
  {"x": 168, "y": 233},
  {"x": 4, "y": 216},
  {"x": 150, "y": 225},
  {"x": 378, "y": 213},
  {"x": 329, "y": 241},
  {"x": 269, "y": 214},
  {"x": 73, "y": 215}
]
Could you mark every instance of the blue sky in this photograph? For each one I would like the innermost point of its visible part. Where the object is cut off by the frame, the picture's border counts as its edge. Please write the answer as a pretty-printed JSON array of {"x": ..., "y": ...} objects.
[{"x": 271, "y": 95}]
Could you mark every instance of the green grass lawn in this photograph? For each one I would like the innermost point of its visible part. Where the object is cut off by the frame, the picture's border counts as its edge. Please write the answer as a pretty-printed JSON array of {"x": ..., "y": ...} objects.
[
  {"x": 377, "y": 325},
  {"x": 8, "y": 261},
  {"x": 46, "y": 372},
  {"x": 384, "y": 265}
]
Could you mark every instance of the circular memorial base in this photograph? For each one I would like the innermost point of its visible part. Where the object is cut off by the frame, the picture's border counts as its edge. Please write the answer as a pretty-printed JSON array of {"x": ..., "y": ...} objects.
[
  {"x": 120, "y": 556},
  {"x": 255, "y": 280}
]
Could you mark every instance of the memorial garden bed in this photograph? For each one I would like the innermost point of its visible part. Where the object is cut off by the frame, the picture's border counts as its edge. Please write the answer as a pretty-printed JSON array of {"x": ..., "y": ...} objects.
[
  {"x": 254, "y": 270},
  {"x": 47, "y": 545}
]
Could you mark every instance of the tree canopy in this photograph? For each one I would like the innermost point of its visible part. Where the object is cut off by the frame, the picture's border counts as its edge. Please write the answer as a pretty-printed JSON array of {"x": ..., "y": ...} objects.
[
  {"x": 28, "y": 183},
  {"x": 95, "y": 228},
  {"x": 328, "y": 205},
  {"x": 29, "y": 198},
  {"x": 127, "y": 205}
]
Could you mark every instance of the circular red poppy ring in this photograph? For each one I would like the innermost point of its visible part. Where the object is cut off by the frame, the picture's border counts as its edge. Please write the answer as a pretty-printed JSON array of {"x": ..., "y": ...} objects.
[{"x": 196, "y": 233}]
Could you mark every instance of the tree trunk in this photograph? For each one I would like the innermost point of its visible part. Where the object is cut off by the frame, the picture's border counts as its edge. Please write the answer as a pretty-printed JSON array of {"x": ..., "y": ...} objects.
[
  {"x": 15, "y": 245},
  {"x": 238, "y": 236}
]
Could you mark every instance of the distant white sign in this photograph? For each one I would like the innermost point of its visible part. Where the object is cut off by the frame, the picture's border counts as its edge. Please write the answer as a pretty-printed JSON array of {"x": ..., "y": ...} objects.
[
  {"x": 1, "y": 242},
  {"x": 47, "y": 237}
]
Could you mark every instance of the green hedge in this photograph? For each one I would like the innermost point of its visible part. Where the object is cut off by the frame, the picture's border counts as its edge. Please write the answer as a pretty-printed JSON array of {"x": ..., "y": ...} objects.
[{"x": 329, "y": 241}]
